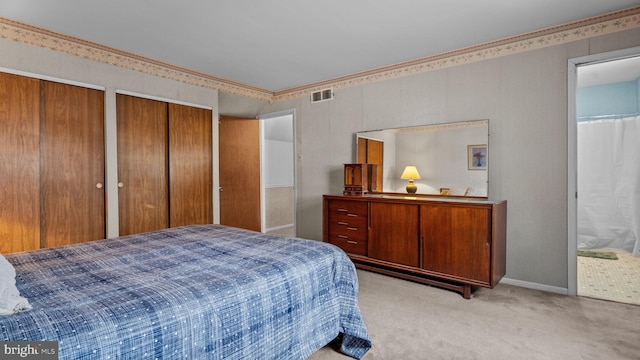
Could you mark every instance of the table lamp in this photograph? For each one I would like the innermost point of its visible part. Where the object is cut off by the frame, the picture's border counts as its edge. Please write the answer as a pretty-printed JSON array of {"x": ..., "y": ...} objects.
[{"x": 410, "y": 172}]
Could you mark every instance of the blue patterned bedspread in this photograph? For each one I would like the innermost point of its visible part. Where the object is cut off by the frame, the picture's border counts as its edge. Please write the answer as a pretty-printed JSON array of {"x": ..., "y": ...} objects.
[{"x": 194, "y": 292}]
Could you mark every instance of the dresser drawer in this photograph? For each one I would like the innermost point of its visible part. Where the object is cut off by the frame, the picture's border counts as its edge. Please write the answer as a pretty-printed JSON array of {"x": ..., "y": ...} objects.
[
  {"x": 347, "y": 232},
  {"x": 348, "y": 208},
  {"x": 351, "y": 243},
  {"x": 348, "y": 222},
  {"x": 348, "y": 214},
  {"x": 347, "y": 225}
]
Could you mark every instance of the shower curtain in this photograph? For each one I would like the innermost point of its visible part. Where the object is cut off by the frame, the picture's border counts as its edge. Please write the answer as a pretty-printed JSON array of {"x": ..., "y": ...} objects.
[{"x": 609, "y": 184}]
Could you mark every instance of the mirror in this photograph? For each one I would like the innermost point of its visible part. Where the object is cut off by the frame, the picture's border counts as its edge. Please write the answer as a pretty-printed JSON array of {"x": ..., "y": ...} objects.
[{"x": 452, "y": 158}]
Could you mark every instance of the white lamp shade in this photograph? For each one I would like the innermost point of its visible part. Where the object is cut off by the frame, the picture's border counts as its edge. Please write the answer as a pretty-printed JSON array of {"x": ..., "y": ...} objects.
[{"x": 410, "y": 172}]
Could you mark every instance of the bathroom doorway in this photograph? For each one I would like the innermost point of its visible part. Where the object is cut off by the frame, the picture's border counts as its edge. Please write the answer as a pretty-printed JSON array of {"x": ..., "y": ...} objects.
[
  {"x": 607, "y": 179},
  {"x": 278, "y": 173}
]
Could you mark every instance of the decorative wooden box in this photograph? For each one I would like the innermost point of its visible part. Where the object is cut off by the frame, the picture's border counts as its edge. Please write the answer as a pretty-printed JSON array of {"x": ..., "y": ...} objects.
[
  {"x": 355, "y": 179},
  {"x": 359, "y": 178}
]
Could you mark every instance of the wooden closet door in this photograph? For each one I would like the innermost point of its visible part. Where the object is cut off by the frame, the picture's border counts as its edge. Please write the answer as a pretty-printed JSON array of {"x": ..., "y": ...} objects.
[
  {"x": 72, "y": 164},
  {"x": 143, "y": 203},
  {"x": 19, "y": 163},
  {"x": 240, "y": 172},
  {"x": 190, "y": 166}
]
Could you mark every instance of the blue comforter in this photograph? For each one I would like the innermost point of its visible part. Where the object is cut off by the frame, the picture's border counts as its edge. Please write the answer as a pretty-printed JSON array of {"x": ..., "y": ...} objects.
[{"x": 194, "y": 292}]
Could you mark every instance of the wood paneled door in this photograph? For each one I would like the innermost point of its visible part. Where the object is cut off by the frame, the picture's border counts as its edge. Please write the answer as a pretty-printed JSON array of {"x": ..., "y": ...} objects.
[
  {"x": 19, "y": 163},
  {"x": 72, "y": 164},
  {"x": 165, "y": 165},
  {"x": 190, "y": 165},
  {"x": 51, "y": 164},
  {"x": 371, "y": 151},
  {"x": 143, "y": 169},
  {"x": 239, "y": 141}
]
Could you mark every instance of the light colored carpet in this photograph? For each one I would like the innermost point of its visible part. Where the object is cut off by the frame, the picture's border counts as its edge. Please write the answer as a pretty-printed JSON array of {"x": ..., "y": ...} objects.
[{"x": 413, "y": 321}]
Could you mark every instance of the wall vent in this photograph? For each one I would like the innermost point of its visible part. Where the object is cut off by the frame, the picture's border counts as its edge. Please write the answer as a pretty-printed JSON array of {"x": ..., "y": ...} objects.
[{"x": 322, "y": 95}]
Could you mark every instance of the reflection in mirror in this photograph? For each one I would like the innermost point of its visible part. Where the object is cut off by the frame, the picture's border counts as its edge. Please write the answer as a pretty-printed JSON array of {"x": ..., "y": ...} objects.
[{"x": 442, "y": 153}]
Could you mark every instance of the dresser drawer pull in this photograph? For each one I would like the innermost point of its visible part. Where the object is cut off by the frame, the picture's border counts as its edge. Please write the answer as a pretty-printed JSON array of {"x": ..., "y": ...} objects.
[
  {"x": 354, "y": 215},
  {"x": 352, "y": 228},
  {"x": 343, "y": 210},
  {"x": 342, "y": 223},
  {"x": 352, "y": 242},
  {"x": 343, "y": 237}
]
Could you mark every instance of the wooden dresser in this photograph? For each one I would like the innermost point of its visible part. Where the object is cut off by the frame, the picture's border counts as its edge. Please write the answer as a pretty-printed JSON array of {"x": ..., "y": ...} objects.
[{"x": 454, "y": 243}]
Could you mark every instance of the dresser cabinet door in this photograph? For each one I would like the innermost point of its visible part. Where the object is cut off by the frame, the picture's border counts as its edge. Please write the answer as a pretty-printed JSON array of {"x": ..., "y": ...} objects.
[
  {"x": 394, "y": 233},
  {"x": 457, "y": 241},
  {"x": 348, "y": 226}
]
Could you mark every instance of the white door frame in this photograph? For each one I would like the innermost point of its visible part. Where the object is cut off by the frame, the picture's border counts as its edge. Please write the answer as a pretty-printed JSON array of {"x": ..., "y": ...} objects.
[
  {"x": 572, "y": 156},
  {"x": 262, "y": 180}
]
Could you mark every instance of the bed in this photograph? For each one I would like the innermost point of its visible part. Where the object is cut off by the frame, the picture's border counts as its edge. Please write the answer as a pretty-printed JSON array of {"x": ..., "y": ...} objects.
[{"x": 197, "y": 292}]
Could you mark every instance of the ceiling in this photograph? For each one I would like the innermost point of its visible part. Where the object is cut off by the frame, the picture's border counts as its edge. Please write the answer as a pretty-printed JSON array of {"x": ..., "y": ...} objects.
[
  {"x": 281, "y": 44},
  {"x": 608, "y": 72}
]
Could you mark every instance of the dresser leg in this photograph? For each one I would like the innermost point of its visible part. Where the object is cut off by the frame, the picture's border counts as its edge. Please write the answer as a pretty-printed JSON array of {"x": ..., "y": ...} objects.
[{"x": 466, "y": 291}]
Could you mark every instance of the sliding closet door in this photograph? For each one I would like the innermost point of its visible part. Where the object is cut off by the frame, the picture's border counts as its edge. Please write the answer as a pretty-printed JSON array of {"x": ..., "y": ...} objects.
[
  {"x": 190, "y": 166},
  {"x": 72, "y": 164},
  {"x": 19, "y": 164},
  {"x": 142, "y": 164}
]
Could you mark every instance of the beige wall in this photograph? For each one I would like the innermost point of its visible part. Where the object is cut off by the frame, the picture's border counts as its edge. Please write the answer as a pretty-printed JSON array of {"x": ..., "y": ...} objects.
[
  {"x": 40, "y": 62},
  {"x": 524, "y": 96},
  {"x": 278, "y": 207}
]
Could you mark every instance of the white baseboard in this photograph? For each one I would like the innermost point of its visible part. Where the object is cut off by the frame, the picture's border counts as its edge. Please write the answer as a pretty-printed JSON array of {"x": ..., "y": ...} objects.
[
  {"x": 535, "y": 286},
  {"x": 275, "y": 228}
]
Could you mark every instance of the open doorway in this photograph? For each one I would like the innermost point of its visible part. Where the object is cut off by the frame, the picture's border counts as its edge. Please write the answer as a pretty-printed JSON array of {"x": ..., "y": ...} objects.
[
  {"x": 605, "y": 226},
  {"x": 278, "y": 173}
]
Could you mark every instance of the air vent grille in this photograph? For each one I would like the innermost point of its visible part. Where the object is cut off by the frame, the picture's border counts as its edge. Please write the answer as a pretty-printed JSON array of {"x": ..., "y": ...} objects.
[{"x": 322, "y": 95}]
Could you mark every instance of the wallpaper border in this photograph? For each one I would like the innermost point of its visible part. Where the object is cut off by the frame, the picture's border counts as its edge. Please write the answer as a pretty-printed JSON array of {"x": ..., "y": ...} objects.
[
  {"x": 35, "y": 36},
  {"x": 587, "y": 28},
  {"x": 584, "y": 29}
]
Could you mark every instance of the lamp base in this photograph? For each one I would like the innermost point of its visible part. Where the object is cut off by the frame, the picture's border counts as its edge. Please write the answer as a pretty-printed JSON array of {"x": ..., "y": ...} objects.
[{"x": 411, "y": 187}]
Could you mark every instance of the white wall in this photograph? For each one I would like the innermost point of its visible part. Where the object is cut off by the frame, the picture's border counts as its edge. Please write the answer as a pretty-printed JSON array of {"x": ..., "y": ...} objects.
[
  {"x": 18, "y": 57},
  {"x": 278, "y": 151},
  {"x": 441, "y": 159},
  {"x": 279, "y": 158},
  {"x": 524, "y": 96}
]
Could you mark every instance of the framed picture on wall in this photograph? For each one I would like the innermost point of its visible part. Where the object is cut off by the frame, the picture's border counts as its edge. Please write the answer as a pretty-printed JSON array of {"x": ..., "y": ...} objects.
[{"x": 477, "y": 157}]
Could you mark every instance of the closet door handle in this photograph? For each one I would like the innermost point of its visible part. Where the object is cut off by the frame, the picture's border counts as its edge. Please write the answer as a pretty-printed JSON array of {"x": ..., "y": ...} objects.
[
  {"x": 99, "y": 185},
  {"x": 120, "y": 184}
]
